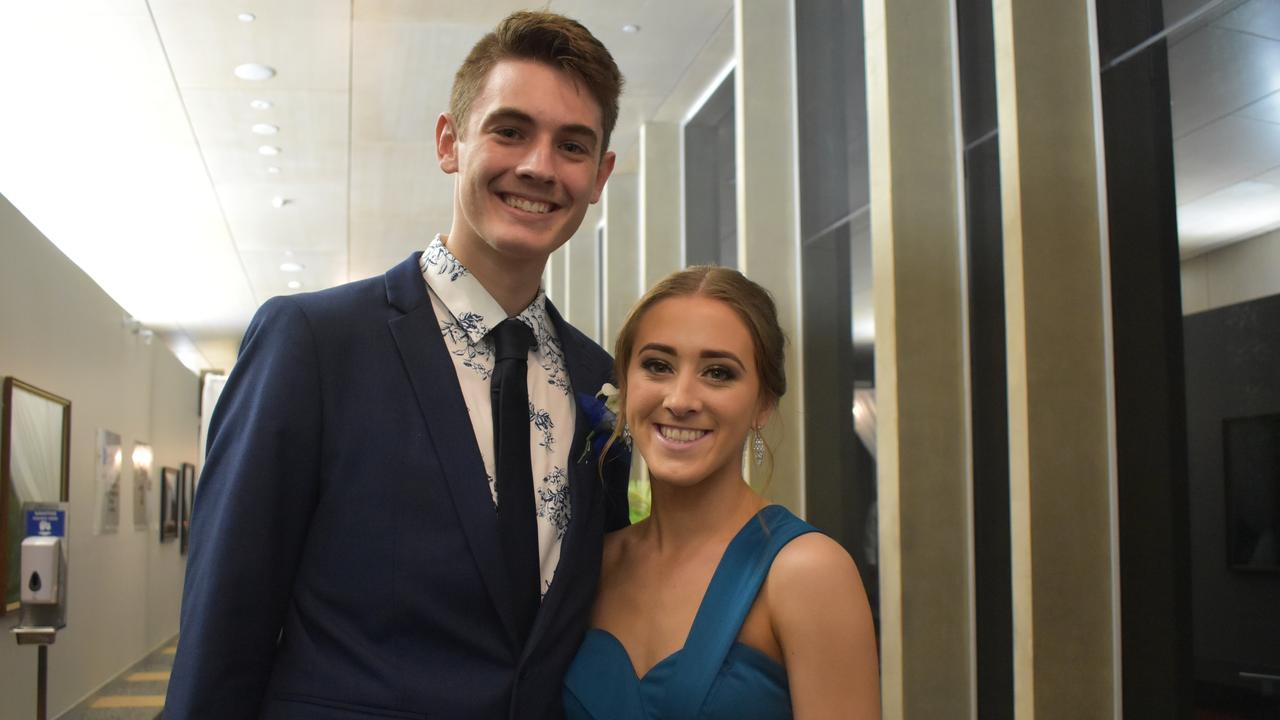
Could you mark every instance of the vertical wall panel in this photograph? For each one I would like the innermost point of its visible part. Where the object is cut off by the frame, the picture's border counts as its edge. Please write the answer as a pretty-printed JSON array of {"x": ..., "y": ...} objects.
[
  {"x": 920, "y": 360},
  {"x": 768, "y": 241},
  {"x": 1062, "y": 493}
]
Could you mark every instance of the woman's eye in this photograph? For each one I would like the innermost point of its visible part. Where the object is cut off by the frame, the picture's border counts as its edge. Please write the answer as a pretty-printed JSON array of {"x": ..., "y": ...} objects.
[
  {"x": 655, "y": 366},
  {"x": 720, "y": 373}
]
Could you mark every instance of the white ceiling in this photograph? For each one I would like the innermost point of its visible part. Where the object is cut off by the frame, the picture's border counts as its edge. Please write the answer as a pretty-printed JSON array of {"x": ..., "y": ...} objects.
[
  {"x": 1225, "y": 87},
  {"x": 126, "y": 137}
]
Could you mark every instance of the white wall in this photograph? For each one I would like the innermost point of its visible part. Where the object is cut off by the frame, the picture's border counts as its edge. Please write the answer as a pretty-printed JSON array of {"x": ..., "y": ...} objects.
[
  {"x": 1237, "y": 273},
  {"x": 62, "y": 333}
]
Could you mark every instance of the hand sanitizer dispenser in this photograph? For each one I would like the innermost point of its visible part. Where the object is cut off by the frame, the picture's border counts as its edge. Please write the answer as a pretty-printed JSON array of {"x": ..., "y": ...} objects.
[{"x": 41, "y": 571}]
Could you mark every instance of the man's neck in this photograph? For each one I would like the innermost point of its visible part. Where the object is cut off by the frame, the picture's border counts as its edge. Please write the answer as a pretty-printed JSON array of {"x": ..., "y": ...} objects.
[{"x": 513, "y": 284}]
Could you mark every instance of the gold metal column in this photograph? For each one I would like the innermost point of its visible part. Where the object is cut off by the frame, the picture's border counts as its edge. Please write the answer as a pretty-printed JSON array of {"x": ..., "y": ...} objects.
[
  {"x": 1061, "y": 438},
  {"x": 922, "y": 396}
]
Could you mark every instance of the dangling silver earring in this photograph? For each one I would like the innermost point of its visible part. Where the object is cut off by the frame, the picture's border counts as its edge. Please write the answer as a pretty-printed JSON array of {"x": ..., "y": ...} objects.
[
  {"x": 626, "y": 436},
  {"x": 757, "y": 447}
]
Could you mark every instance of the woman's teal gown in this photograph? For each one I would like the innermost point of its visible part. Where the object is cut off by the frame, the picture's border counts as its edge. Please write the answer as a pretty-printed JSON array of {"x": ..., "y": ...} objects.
[{"x": 713, "y": 676}]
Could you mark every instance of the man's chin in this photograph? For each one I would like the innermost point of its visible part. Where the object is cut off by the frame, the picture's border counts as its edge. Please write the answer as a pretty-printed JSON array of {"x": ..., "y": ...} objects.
[{"x": 526, "y": 246}]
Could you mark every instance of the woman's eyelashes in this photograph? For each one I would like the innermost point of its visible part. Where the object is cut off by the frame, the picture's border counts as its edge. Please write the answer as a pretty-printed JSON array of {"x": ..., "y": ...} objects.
[
  {"x": 655, "y": 366},
  {"x": 721, "y": 373},
  {"x": 715, "y": 373}
]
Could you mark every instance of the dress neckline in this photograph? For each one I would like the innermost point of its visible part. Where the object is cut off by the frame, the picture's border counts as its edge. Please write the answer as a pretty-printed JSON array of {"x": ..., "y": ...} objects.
[
  {"x": 738, "y": 646},
  {"x": 702, "y": 605}
]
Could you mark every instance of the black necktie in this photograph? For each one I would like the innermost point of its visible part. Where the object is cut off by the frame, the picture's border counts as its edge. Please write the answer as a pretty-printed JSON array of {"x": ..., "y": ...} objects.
[{"x": 517, "y": 521}]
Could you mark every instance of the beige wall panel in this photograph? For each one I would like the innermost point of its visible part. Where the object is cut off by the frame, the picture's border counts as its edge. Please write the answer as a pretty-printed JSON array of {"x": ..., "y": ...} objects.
[
  {"x": 661, "y": 204},
  {"x": 1233, "y": 274},
  {"x": 768, "y": 236},
  {"x": 581, "y": 305},
  {"x": 1062, "y": 492},
  {"x": 622, "y": 252},
  {"x": 921, "y": 361}
]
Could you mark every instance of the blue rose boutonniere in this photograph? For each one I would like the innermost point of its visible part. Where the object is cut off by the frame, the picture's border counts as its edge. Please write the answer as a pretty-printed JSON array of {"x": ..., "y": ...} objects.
[{"x": 602, "y": 417}]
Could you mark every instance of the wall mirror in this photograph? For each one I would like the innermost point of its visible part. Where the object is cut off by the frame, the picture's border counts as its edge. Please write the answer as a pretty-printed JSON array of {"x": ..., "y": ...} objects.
[{"x": 35, "y": 449}]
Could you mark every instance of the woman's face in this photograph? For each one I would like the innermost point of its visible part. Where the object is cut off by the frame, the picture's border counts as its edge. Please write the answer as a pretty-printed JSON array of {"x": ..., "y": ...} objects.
[{"x": 693, "y": 390}]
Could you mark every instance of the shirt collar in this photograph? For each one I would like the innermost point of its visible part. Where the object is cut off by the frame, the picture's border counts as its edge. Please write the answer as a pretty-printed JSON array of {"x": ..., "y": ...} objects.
[{"x": 472, "y": 307}]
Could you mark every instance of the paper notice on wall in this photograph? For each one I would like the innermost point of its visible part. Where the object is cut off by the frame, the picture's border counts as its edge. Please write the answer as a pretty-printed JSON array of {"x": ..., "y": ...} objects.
[
  {"x": 141, "y": 484},
  {"x": 109, "y": 460}
]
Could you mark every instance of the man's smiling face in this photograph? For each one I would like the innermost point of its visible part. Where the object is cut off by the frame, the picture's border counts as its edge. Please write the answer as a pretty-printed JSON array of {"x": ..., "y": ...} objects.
[{"x": 528, "y": 163}]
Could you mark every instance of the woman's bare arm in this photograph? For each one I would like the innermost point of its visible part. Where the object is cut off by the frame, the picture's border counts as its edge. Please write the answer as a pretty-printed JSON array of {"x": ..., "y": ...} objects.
[{"x": 820, "y": 615}]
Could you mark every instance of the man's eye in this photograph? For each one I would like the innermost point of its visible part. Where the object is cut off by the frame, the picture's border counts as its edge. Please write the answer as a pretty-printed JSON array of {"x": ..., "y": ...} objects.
[
  {"x": 575, "y": 148},
  {"x": 509, "y": 133}
]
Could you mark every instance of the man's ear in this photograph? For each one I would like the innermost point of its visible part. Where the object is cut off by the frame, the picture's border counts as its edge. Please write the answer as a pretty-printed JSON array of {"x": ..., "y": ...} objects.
[
  {"x": 602, "y": 175},
  {"x": 446, "y": 143}
]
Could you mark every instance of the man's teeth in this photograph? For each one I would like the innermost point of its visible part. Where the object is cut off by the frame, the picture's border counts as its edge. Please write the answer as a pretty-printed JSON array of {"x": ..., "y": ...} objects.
[
  {"x": 532, "y": 206},
  {"x": 681, "y": 434}
]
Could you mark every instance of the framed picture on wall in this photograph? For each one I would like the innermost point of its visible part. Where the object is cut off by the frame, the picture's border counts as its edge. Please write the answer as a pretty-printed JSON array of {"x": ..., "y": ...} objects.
[
  {"x": 35, "y": 452},
  {"x": 1251, "y": 454},
  {"x": 188, "y": 494},
  {"x": 170, "y": 502}
]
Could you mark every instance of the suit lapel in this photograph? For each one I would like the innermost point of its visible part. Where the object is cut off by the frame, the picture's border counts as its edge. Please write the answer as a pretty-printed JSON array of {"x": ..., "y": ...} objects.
[
  {"x": 435, "y": 384},
  {"x": 583, "y": 482}
]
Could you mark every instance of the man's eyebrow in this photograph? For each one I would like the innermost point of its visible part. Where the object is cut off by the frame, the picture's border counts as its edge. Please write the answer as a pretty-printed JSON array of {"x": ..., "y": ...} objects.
[{"x": 511, "y": 114}]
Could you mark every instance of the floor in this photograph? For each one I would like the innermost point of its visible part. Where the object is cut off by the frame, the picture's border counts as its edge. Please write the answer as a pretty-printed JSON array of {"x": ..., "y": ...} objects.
[{"x": 137, "y": 694}]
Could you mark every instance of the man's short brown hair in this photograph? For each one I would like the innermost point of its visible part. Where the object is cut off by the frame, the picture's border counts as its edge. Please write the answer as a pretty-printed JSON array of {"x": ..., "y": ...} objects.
[{"x": 549, "y": 38}]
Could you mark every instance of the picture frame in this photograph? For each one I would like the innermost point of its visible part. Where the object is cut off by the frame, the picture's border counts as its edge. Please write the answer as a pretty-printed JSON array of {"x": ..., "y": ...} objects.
[
  {"x": 188, "y": 492},
  {"x": 1251, "y": 474},
  {"x": 170, "y": 502},
  {"x": 35, "y": 457}
]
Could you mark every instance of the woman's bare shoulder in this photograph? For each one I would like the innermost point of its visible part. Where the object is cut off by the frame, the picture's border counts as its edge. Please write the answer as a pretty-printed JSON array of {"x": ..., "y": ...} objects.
[{"x": 813, "y": 572}]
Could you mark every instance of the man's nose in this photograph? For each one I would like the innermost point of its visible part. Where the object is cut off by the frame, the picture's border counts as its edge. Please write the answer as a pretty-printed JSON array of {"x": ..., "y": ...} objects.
[{"x": 537, "y": 164}]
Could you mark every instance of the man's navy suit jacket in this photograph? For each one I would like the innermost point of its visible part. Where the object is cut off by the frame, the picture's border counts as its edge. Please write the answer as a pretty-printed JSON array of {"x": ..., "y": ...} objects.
[{"x": 345, "y": 560}]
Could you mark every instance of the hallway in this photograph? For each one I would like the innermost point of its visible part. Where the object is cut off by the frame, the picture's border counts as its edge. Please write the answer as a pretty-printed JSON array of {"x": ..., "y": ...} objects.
[{"x": 136, "y": 694}]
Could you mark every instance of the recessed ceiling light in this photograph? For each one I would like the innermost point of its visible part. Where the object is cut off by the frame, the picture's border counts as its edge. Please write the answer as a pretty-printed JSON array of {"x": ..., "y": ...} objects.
[
  {"x": 265, "y": 129},
  {"x": 273, "y": 170},
  {"x": 630, "y": 28},
  {"x": 292, "y": 267},
  {"x": 246, "y": 17},
  {"x": 268, "y": 150},
  {"x": 278, "y": 202},
  {"x": 260, "y": 104},
  {"x": 294, "y": 285},
  {"x": 254, "y": 71}
]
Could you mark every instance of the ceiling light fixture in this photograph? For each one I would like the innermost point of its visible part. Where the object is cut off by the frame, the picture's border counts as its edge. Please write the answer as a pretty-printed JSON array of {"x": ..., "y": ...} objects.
[
  {"x": 630, "y": 28},
  {"x": 260, "y": 104},
  {"x": 265, "y": 129},
  {"x": 273, "y": 170},
  {"x": 254, "y": 71},
  {"x": 292, "y": 267},
  {"x": 268, "y": 150},
  {"x": 294, "y": 285},
  {"x": 278, "y": 202},
  {"x": 246, "y": 17}
]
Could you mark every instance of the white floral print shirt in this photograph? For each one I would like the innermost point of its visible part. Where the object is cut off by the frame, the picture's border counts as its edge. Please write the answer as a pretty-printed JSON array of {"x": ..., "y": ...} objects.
[{"x": 467, "y": 312}]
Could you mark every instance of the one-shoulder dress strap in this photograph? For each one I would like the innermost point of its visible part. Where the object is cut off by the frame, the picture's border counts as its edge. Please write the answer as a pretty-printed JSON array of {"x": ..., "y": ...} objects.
[{"x": 729, "y": 598}]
